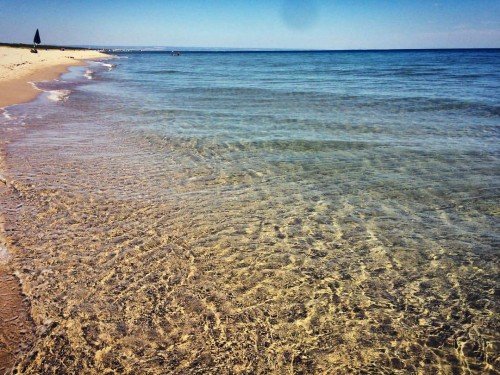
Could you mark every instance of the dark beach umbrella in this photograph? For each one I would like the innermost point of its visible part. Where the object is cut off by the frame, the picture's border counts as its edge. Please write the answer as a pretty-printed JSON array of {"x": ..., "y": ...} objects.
[{"x": 37, "y": 39}]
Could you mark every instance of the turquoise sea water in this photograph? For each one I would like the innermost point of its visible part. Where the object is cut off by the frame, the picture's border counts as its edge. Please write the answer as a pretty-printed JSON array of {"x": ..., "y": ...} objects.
[{"x": 261, "y": 212}]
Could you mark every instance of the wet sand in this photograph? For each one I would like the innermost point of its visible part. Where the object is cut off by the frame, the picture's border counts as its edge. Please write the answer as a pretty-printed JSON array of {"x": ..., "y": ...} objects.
[
  {"x": 16, "y": 326},
  {"x": 19, "y": 67}
]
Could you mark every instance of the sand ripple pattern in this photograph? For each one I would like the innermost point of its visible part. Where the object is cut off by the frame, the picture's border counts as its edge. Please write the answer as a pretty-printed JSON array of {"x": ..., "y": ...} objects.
[{"x": 167, "y": 262}]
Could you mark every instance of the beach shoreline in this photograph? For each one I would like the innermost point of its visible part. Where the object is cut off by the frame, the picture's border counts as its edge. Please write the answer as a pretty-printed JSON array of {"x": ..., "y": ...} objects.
[
  {"x": 16, "y": 324},
  {"x": 19, "y": 68}
]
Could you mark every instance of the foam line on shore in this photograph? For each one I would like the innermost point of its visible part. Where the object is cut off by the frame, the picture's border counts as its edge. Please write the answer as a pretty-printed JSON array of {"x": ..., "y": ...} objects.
[{"x": 15, "y": 87}]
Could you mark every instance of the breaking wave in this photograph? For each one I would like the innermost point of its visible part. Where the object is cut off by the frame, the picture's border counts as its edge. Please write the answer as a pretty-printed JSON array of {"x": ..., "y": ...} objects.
[{"x": 58, "y": 95}]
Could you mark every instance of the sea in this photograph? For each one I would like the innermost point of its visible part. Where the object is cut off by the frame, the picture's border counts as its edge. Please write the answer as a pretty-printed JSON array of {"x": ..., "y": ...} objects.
[{"x": 256, "y": 212}]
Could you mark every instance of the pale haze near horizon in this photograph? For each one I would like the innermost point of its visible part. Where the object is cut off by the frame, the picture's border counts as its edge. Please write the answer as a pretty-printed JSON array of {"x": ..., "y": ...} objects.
[{"x": 287, "y": 24}]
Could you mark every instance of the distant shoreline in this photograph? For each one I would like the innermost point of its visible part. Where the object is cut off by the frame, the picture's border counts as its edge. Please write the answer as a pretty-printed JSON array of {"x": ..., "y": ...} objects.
[
  {"x": 24, "y": 45},
  {"x": 169, "y": 49},
  {"x": 230, "y": 50}
]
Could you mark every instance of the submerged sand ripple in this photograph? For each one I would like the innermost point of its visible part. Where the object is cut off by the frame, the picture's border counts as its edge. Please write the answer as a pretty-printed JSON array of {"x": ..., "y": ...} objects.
[{"x": 142, "y": 254}]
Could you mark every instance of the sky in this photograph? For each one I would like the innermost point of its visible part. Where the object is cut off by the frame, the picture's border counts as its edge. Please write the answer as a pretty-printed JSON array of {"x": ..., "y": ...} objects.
[{"x": 282, "y": 24}]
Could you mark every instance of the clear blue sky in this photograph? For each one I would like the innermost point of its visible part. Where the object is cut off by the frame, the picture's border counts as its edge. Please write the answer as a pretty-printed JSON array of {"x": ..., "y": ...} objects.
[{"x": 314, "y": 24}]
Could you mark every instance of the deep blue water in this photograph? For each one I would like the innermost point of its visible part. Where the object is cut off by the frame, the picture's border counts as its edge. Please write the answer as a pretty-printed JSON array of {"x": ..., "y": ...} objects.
[{"x": 420, "y": 99}]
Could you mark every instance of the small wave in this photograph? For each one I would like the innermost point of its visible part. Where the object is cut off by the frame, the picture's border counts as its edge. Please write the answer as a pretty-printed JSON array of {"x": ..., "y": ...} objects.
[
  {"x": 6, "y": 114},
  {"x": 471, "y": 75},
  {"x": 88, "y": 74},
  {"x": 163, "y": 71},
  {"x": 54, "y": 95},
  {"x": 107, "y": 65},
  {"x": 58, "y": 95},
  {"x": 339, "y": 100},
  {"x": 9, "y": 118},
  {"x": 422, "y": 104},
  {"x": 35, "y": 86}
]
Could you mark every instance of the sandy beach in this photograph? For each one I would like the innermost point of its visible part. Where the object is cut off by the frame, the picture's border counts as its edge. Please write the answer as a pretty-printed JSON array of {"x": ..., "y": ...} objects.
[{"x": 19, "y": 67}]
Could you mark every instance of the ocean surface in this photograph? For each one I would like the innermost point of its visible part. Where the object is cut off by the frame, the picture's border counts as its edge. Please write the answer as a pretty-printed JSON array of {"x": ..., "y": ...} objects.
[{"x": 261, "y": 212}]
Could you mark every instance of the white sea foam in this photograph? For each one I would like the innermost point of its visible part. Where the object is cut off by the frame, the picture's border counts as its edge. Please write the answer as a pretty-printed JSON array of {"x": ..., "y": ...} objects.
[
  {"x": 107, "y": 65},
  {"x": 58, "y": 95},
  {"x": 54, "y": 95},
  {"x": 6, "y": 114},
  {"x": 88, "y": 74},
  {"x": 35, "y": 86}
]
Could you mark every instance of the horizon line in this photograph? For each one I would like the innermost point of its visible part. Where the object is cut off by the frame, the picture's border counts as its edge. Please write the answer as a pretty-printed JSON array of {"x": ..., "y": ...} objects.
[
  {"x": 149, "y": 49},
  {"x": 158, "y": 48}
]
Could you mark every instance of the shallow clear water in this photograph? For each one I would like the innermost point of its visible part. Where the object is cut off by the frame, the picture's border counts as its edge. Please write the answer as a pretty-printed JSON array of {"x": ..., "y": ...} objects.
[{"x": 262, "y": 212}]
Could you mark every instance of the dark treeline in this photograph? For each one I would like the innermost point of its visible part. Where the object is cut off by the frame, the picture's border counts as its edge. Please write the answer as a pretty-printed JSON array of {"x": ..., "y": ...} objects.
[{"x": 43, "y": 46}]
